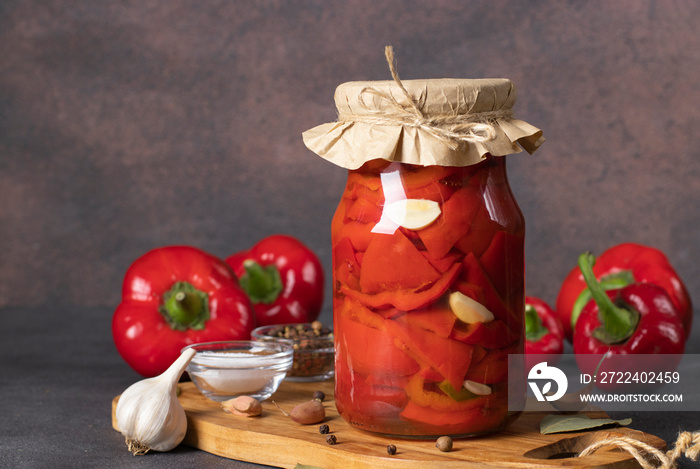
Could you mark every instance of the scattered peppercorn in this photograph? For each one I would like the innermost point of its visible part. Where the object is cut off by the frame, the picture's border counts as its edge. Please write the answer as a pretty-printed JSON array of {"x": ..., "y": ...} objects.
[
  {"x": 331, "y": 440},
  {"x": 324, "y": 429},
  {"x": 320, "y": 395},
  {"x": 391, "y": 449},
  {"x": 444, "y": 444}
]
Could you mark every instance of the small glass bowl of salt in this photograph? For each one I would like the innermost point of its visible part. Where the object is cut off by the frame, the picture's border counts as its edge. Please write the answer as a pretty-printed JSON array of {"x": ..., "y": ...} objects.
[{"x": 224, "y": 370}]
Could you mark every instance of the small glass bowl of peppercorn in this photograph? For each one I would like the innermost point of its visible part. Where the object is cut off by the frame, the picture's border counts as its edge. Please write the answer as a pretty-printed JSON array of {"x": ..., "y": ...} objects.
[{"x": 313, "y": 349}]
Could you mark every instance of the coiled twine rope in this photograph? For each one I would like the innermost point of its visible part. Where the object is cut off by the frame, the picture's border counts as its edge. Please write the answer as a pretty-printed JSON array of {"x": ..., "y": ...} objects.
[
  {"x": 452, "y": 129},
  {"x": 687, "y": 444}
]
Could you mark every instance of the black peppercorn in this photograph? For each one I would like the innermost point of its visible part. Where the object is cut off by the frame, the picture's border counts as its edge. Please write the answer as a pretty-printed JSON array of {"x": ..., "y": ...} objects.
[
  {"x": 391, "y": 449},
  {"x": 320, "y": 395},
  {"x": 323, "y": 429},
  {"x": 310, "y": 343},
  {"x": 331, "y": 440}
]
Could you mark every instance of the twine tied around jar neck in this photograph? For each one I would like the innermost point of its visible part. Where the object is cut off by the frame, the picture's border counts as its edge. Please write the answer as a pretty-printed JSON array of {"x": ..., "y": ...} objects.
[{"x": 452, "y": 129}]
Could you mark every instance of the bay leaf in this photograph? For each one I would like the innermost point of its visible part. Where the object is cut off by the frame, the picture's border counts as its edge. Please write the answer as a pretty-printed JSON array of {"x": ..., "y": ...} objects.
[
  {"x": 304, "y": 466},
  {"x": 572, "y": 423}
]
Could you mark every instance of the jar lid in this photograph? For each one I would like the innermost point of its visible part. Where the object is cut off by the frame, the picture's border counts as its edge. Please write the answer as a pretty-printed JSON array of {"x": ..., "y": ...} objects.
[{"x": 446, "y": 122}]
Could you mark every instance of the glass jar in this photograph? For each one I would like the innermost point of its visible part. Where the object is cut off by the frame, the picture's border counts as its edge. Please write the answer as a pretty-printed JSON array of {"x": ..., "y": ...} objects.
[
  {"x": 428, "y": 297},
  {"x": 428, "y": 264}
]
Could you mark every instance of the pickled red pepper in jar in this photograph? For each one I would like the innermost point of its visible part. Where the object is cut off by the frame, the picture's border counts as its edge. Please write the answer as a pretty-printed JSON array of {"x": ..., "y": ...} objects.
[{"x": 428, "y": 263}]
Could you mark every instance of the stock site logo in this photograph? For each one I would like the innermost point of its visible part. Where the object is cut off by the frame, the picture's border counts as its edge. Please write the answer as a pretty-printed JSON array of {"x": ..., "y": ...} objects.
[{"x": 547, "y": 374}]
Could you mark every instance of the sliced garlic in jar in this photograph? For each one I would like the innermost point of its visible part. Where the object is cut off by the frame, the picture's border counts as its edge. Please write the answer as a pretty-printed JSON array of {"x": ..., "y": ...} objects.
[
  {"x": 468, "y": 310},
  {"x": 413, "y": 214},
  {"x": 477, "y": 388}
]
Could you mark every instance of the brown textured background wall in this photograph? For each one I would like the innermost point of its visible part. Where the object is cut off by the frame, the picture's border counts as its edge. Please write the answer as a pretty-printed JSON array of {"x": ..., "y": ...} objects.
[{"x": 126, "y": 125}]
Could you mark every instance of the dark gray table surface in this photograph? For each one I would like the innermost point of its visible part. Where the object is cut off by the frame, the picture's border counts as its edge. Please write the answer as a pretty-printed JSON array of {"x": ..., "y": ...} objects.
[{"x": 61, "y": 371}]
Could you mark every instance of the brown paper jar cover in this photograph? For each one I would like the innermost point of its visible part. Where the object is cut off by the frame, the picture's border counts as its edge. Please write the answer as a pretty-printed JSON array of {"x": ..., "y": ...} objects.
[{"x": 446, "y": 122}]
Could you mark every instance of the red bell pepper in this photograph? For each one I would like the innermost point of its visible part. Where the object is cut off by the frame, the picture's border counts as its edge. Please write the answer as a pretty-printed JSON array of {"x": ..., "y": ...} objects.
[
  {"x": 493, "y": 367},
  {"x": 363, "y": 211},
  {"x": 504, "y": 262},
  {"x": 481, "y": 233},
  {"x": 544, "y": 334},
  {"x": 437, "y": 318},
  {"x": 368, "y": 402},
  {"x": 347, "y": 270},
  {"x": 424, "y": 396},
  {"x": 453, "y": 224},
  {"x": 452, "y": 421},
  {"x": 494, "y": 333},
  {"x": 451, "y": 358},
  {"x": 476, "y": 281},
  {"x": 283, "y": 278},
  {"x": 428, "y": 182},
  {"x": 406, "y": 299},
  {"x": 362, "y": 337},
  {"x": 637, "y": 319},
  {"x": 617, "y": 267},
  {"x": 392, "y": 262},
  {"x": 173, "y": 297},
  {"x": 430, "y": 405}
]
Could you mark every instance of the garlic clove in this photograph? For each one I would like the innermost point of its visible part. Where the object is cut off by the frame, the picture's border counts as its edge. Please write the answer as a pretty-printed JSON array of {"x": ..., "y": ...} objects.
[
  {"x": 469, "y": 310},
  {"x": 148, "y": 413},
  {"x": 479, "y": 389},
  {"x": 245, "y": 406},
  {"x": 413, "y": 214}
]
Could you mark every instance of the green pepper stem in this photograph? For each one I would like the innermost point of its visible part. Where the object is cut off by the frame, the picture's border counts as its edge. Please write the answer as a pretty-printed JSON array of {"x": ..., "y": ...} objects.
[
  {"x": 607, "y": 282},
  {"x": 262, "y": 284},
  {"x": 618, "y": 322},
  {"x": 534, "y": 327},
  {"x": 184, "y": 307}
]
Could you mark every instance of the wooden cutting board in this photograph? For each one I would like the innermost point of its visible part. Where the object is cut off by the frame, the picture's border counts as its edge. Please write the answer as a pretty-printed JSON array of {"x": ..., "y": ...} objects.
[{"x": 275, "y": 440}]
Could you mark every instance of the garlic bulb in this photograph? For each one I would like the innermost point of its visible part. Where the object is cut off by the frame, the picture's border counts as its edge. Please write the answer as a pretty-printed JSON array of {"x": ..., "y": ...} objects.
[{"x": 148, "y": 413}]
